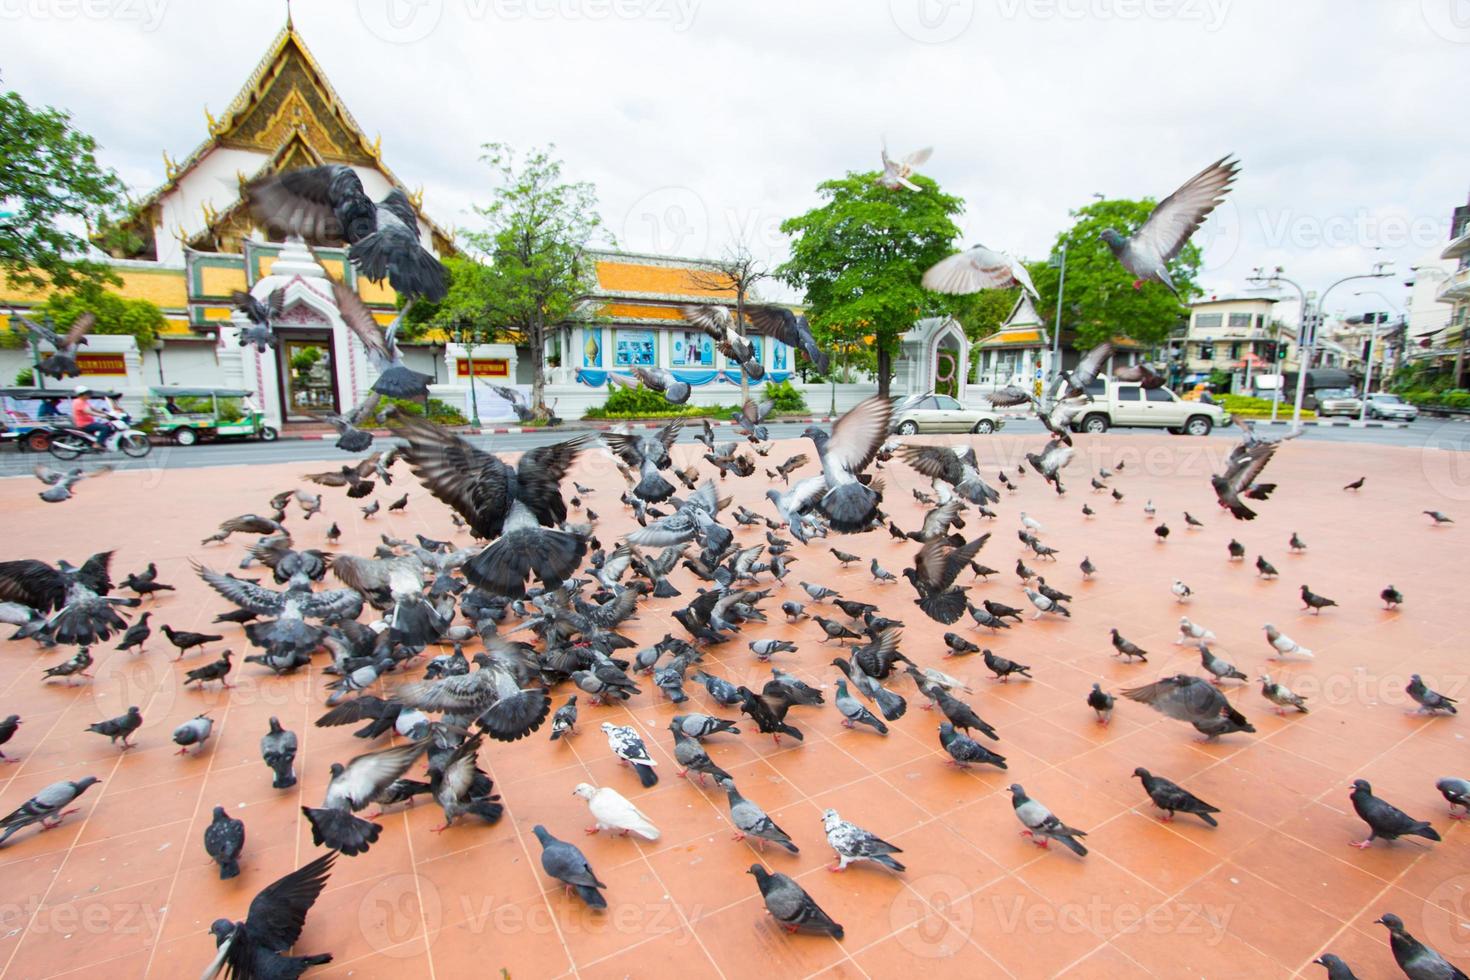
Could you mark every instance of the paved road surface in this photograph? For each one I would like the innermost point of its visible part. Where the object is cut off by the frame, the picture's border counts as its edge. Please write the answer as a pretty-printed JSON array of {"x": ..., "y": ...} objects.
[{"x": 1444, "y": 435}]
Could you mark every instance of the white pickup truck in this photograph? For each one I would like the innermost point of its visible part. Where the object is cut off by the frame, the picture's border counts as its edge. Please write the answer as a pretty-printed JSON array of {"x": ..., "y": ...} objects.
[{"x": 1127, "y": 404}]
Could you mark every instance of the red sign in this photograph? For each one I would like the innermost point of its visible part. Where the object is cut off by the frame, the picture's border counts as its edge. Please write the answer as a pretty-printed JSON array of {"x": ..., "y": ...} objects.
[
  {"x": 496, "y": 367},
  {"x": 102, "y": 364}
]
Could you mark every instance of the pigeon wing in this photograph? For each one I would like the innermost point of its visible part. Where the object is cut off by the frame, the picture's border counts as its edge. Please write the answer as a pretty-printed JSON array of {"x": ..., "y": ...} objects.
[{"x": 1179, "y": 215}]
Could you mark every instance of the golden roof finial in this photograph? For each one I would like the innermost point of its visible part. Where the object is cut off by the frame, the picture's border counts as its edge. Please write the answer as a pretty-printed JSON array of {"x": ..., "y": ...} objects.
[
  {"x": 416, "y": 198},
  {"x": 377, "y": 147},
  {"x": 209, "y": 119},
  {"x": 289, "y": 25},
  {"x": 170, "y": 168}
]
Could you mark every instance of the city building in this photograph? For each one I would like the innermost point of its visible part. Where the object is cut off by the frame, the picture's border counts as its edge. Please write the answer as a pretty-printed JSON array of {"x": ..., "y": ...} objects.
[
  {"x": 1019, "y": 353},
  {"x": 1437, "y": 331},
  {"x": 1237, "y": 334}
]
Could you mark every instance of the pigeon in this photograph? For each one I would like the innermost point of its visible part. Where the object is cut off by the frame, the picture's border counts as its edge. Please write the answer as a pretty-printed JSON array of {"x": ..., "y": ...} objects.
[
  {"x": 371, "y": 509},
  {"x": 328, "y": 203},
  {"x": 975, "y": 269},
  {"x": 956, "y": 466},
  {"x": 750, "y": 820},
  {"x": 1087, "y": 568},
  {"x": 48, "y": 807},
  {"x": 768, "y": 711},
  {"x": 1457, "y": 793},
  {"x": 1429, "y": 701},
  {"x": 1296, "y": 544},
  {"x": 1171, "y": 798},
  {"x": 1283, "y": 644},
  {"x": 519, "y": 508},
  {"x": 1417, "y": 960},
  {"x": 896, "y": 173},
  {"x": 400, "y": 504},
  {"x": 1146, "y": 254},
  {"x": 137, "y": 634},
  {"x": 848, "y": 502},
  {"x": 791, "y": 906},
  {"x": 258, "y": 946},
  {"x": 1242, "y": 467},
  {"x": 1042, "y": 826},
  {"x": 195, "y": 731},
  {"x": 854, "y": 712},
  {"x": 1148, "y": 508},
  {"x": 628, "y": 746},
  {"x": 936, "y": 566},
  {"x": 959, "y": 646},
  {"x": 984, "y": 617},
  {"x": 1003, "y": 668},
  {"x": 720, "y": 689},
  {"x": 1128, "y": 649},
  {"x": 8, "y": 726},
  {"x": 1101, "y": 702},
  {"x": 715, "y": 321},
  {"x": 1384, "y": 819},
  {"x": 692, "y": 756},
  {"x": 460, "y": 787},
  {"x": 844, "y": 557},
  {"x": 647, "y": 454},
  {"x": 1264, "y": 568},
  {"x": 835, "y": 630},
  {"x": 657, "y": 379},
  {"x": 564, "y": 722},
  {"x": 1438, "y": 518},
  {"x": 765, "y": 649},
  {"x": 1046, "y": 604},
  {"x": 1193, "y": 631},
  {"x": 59, "y": 484},
  {"x": 121, "y": 727},
  {"x": 1356, "y": 484},
  {"x": 1191, "y": 521},
  {"x": 1193, "y": 700},
  {"x": 77, "y": 666},
  {"x": 1392, "y": 598},
  {"x": 62, "y": 363},
  {"x": 1281, "y": 696},
  {"x": 278, "y": 749},
  {"x": 853, "y": 843},
  {"x": 224, "y": 839},
  {"x": 1315, "y": 602},
  {"x": 959, "y": 714},
  {"x": 1162, "y": 533},
  {"x": 568, "y": 865},
  {"x": 215, "y": 670},
  {"x": 611, "y": 811},
  {"x": 1335, "y": 967},
  {"x": 352, "y": 787},
  {"x": 259, "y": 315},
  {"x": 1220, "y": 668},
  {"x": 1236, "y": 550},
  {"x": 1180, "y": 590},
  {"x": 184, "y": 641},
  {"x": 881, "y": 574},
  {"x": 818, "y": 593},
  {"x": 964, "y": 750}
]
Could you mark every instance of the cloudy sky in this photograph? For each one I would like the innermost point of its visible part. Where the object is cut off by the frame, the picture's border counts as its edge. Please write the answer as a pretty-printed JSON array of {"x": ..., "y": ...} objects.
[{"x": 702, "y": 122}]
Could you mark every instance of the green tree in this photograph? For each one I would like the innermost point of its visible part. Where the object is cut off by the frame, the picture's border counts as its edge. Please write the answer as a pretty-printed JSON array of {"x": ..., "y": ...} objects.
[
  {"x": 538, "y": 228},
  {"x": 1099, "y": 301},
  {"x": 860, "y": 257},
  {"x": 466, "y": 305},
  {"x": 137, "y": 318},
  {"x": 53, "y": 195}
]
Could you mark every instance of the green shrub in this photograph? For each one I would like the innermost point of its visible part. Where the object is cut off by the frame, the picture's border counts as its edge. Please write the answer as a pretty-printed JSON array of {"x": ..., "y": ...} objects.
[
  {"x": 25, "y": 378},
  {"x": 787, "y": 398},
  {"x": 642, "y": 403},
  {"x": 438, "y": 411},
  {"x": 1248, "y": 407}
]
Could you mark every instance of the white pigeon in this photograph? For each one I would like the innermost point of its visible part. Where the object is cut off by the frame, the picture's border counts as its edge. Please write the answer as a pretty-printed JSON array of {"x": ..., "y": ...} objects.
[
  {"x": 896, "y": 172},
  {"x": 1148, "y": 507},
  {"x": 975, "y": 269},
  {"x": 1284, "y": 644},
  {"x": 1181, "y": 591},
  {"x": 1031, "y": 522},
  {"x": 612, "y": 811},
  {"x": 941, "y": 679},
  {"x": 1193, "y": 632}
]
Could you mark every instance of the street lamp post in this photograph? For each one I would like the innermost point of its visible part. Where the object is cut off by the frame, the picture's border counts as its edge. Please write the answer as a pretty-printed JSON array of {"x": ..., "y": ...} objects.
[
  {"x": 466, "y": 340},
  {"x": 1380, "y": 270},
  {"x": 1372, "y": 352},
  {"x": 1272, "y": 281}
]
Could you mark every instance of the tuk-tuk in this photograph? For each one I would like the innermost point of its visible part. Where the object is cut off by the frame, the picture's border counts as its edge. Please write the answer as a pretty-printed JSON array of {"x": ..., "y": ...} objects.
[
  {"x": 191, "y": 414},
  {"x": 28, "y": 416}
]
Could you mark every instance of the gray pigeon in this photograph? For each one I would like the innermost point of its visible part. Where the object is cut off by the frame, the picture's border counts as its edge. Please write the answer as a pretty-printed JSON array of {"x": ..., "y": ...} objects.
[
  {"x": 1146, "y": 254},
  {"x": 790, "y": 905},
  {"x": 1335, "y": 967},
  {"x": 47, "y": 807},
  {"x": 1457, "y": 793},
  {"x": 568, "y": 865},
  {"x": 1429, "y": 701},
  {"x": 853, "y": 843},
  {"x": 751, "y": 821},
  {"x": 702, "y": 726},
  {"x": 855, "y": 713},
  {"x": 692, "y": 756},
  {"x": 1417, "y": 960},
  {"x": 964, "y": 750},
  {"x": 278, "y": 749},
  {"x": 195, "y": 731},
  {"x": 1221, "y": 669},
  {"x": 1042, "y": 826},
  {"x": 121, "y": 727}
]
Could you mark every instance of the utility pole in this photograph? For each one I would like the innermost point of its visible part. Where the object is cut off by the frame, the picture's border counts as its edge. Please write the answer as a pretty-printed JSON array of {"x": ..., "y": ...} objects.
[{"x": 1056, "y": 336}]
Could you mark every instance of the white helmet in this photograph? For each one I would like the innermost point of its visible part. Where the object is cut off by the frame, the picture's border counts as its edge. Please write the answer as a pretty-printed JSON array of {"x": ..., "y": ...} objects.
[{"x": 81, "y": 390}]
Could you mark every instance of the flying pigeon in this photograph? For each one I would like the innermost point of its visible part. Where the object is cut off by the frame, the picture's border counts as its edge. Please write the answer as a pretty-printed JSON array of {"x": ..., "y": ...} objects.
[
  {"x": 351, "y": 788},
  {"x": 848, "y": 502},
  {"x": 896, "y": 173},
  {"x": 978, "y": 268},
  {"x": 259, "y": 317},
  {"x": 258, "y": 947},
  {"x": 1147, "y": 253},
  {"x": 1193, "y": 700}
]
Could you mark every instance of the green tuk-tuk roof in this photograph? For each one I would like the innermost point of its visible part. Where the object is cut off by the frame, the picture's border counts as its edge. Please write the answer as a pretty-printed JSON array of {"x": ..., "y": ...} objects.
[{"x": 57, "y": 394}]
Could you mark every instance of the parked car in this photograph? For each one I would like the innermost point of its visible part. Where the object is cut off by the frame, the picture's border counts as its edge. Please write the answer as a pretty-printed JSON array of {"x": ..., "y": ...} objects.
[
  {"x": 1382, "y": 405},
  {"x": 1123, "y": 404},
  {"x": 941, "y": 413},
  {"x": 1337, "y": 401}
]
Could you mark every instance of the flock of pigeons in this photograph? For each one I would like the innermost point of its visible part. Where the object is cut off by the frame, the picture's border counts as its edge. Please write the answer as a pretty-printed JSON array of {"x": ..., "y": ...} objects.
[{"x": 530, "y": 614}]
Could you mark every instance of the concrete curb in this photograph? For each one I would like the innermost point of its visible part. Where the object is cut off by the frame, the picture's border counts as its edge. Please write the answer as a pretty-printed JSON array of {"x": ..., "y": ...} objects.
[{"x": 1335, "y": 423}]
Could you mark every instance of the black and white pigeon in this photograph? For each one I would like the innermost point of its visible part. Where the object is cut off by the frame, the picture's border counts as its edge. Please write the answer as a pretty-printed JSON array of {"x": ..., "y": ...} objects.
[
  {"x": 628, "y": 746},
  {"x": 964, "y": 751},
  {"x": 1101, "y": 702},
  {"x": 791, "y": 906},
  {"x": 1456, "y": 792},
  {"x": 121, "y": 727},
  {"x": 1193, "y": 700},
  {"x": 224, "y": 839},
  {"x": 1429, "y": 701},
  {"x": 715, "y": 321},
  {"x": 1384, "y": 819},
  {"x": 259, "y": 317},
  {"x": 750, "y": 820},
  {"x": 328, "y": 203},
  {"x": 1146, "y": 254},
  {"x": 48, "y": 807},
  {"x": 195, "y": 731},
  {"x": 278, "y": 749},
  {"x": 848, "y": 502},
  {"x": 853, "y": 843},
  {"x": 1418, "y": 961},
  {"x": 1171, "y": 798},
  {"x": 568, "y": 865},
  {"x": 520, "y": 509},
  {"x": 564, "y": 721},
  {"x": 258, "y": 947},
  {"x": 1042, "y": 826},
  {"x": 352, "y": 787}
]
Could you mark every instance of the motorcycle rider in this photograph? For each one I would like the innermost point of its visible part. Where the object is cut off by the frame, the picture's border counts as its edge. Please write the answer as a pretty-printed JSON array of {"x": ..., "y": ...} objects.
[{"x": 84, "y": 419}]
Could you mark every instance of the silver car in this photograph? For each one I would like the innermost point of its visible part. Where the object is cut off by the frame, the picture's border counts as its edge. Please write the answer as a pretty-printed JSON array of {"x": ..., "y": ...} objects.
[
  {"x": 941, "y": 413},
  {"x": 1382, "y": 405},
  {"x": 1337, "y": 401}
]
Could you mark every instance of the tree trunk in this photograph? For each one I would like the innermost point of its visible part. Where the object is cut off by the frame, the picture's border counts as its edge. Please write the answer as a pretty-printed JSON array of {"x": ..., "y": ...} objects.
[
  {"x": 885, "y": 369},
  {"x": 537, "y": 338}
]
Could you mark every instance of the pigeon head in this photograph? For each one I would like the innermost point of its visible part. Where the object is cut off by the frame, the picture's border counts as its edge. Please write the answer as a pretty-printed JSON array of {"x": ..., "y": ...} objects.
[
  {"x": 222, "y": 930},
  {"x": 542, "y": 834},
  {"x": 945, "y": 728},
  {"x": 584, "y": 791},
  {"x": 830, "y": 816},
  {"x": 608, "y": 728},
  {"x": 219, "y": 813},
  {"x": 1393, "y": 922},
  {"x": 337, "y": 769},
  {"x": 1141, "y": 773},
  {"x": 761, "y": 874},
  {"x": 84, "y": 783},
  {"x": 1115, "y": 241},
  {"x": 1018, "y": 791},
  {"x": 1362, "y": 786},
  {"x": 816, "y": 435}
]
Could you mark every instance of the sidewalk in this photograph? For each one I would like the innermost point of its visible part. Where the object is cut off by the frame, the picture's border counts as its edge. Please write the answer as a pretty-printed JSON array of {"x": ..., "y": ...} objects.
[{"x": 581, "y": 425}]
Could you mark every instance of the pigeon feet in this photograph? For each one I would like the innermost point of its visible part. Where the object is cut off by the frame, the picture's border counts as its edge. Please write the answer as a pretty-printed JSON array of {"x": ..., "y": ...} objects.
[
  {"x": 836, "y": 867},
  {"x": 1360, "y": 844},
  {"x": 591, "y": 830}
]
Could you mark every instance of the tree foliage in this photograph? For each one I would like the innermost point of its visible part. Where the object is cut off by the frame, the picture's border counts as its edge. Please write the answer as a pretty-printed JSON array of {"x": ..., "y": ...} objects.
[
  {"x": 1099, "y": 301},
  {"x": 538, "y": 228},
  {"x": 116, "y": 315},
  {"x": 53, "y": 194},
  {"x": 860, "y": 256},
  {"x": 466, "y": 310}
]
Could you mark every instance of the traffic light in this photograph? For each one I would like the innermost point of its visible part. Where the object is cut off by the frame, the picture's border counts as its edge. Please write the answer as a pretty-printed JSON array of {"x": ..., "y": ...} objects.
[{"x": 1280, "y": 352}]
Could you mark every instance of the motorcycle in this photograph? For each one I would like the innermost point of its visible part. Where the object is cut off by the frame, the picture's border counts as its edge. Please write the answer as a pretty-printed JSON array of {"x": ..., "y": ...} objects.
[{"x": 69, "y": 443}]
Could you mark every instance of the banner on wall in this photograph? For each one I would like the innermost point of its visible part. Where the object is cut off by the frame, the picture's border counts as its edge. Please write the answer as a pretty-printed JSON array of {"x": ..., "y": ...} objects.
[
  {"x": 490, "y": 367},
  {"x": 592, "y": 349},
  {"x": 102, "y": 364},
  {"x": 635, "y": 347}
]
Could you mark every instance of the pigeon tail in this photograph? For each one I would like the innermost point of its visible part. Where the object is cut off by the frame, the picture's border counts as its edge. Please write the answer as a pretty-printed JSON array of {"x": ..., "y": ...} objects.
[
  {"x": 677, "y": 393},
  {"x": 646, "y": 775},
  {"x": 229, "y": 869},
  {"x": 504, "y": 567},
  {"x": 340, "y": 830},
  {"x": 398, "y": 381},
  {"x": 945, "y": 607},
  {"x": 412, "y": 271},
  {"x": 849, "y": 506},
  {"x": 664, "y": 590},
  {"x": 591, "y": 896},
  {"x": 653, "y": 488}
]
